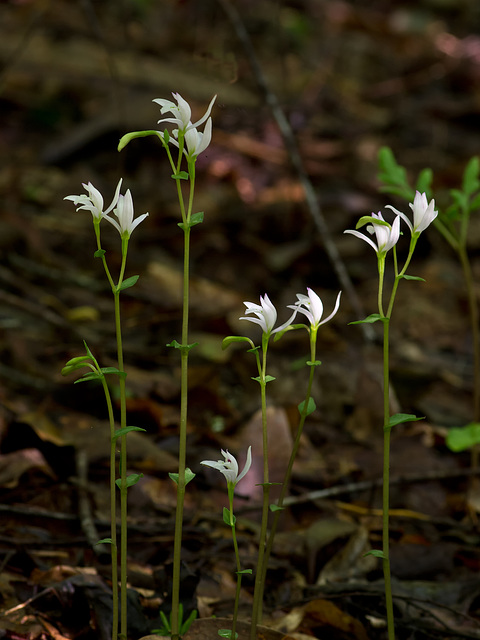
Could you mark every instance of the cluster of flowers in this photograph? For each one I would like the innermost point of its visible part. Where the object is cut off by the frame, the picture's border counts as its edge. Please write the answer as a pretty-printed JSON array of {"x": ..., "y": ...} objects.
[
  {"x": 387, "y": 235},
  {"x": 122, "y": 205}
]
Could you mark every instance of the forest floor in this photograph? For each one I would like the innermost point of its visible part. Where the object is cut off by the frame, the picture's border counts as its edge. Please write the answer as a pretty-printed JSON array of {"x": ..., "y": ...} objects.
[{"x": 350, "y": 79}]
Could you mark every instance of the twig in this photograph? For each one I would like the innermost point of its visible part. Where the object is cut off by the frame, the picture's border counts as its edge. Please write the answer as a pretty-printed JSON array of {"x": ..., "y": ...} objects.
[
  {"x": 365, "y": 485},
  {"x": 296, "y": 160},
  {"x": 84, "y": 509}
]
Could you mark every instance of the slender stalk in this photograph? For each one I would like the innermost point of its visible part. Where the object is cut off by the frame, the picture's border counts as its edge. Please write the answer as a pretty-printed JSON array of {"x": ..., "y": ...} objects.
[
  {"x": 113, "y": 510},
  {"x": 182, "y": 451},
  {"x": 231, "y": 488},
  {"x": 258, "y": 590},
  {"x": 123, "y": 451},
  {"x": 386, "y": 427},
  {"x": 293, "y": 455},
  {"x": 113, "y": 473},
  {"x": 386, "y": 483},
  {"x": 184, "y": 351},
  {"x": 474, "y": 322}
]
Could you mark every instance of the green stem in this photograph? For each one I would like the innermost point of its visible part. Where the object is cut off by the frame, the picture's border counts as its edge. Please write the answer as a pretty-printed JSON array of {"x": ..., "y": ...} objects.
[
  {"x": 113, "y": 497},
  {"x": 386, "y": 483},
  {"x": 293, "y": 455},
  {"x": 258, "y": 590},
  {"x": 123, "y": 451},
  {"x": 113, "y": 509},
  {"x": 474, "y": 323},
  {"x": 231, "y": 488},
  {"x": 177, "y": 547}
]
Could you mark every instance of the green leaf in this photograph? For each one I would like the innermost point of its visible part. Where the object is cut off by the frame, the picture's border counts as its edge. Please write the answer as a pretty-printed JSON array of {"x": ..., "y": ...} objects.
[
  {"x": 393, "y": 175},
  {"x": 129, "y": 282},
  {"x": 424, "y": 181},
  {"x": 317, "y": 363},
  {"x": 188, "y": 622},
  {"x": 189, "y": 475},
  {"x": 132, "y": 479},
  {"x": 226, "y": 342},
  {"x": 475, "y": 203},
  {"x": 244, "y": 572},
  {"x": 227, "y": 633},
  {"x": 196, "y": 218},
  {"x": 462, "y": 438},
  {"x": 177, "y": 345},
  {"x": 413, "y": 278},
  {"x": 291, "y": 327},
  {"x": 78, "y": 360},
  {"x": 369, "y": 319},
  {"x": 226, "y": 517},
  {"x": 99, "y": 253},
  {"x": 104, "y": 541},
  {"x": 400, "y": 418},
  {"x": 182, "y": 175},
  {"x": 470, "y": 177},
  {"x": 275, "y": 507},
  {"x": 371, "y": 220},
  {"x": 310, "y": 408},
  {"x": 123, "y": 432},
  {"x": 91, "y": 375},
  {"x": 114, "y": 370},
  {"x": 128, "y": 137},
  {"x": 267, "y": 379},
  {"x": 253, "y": 349},
  {"x": 375, "y": 552}
]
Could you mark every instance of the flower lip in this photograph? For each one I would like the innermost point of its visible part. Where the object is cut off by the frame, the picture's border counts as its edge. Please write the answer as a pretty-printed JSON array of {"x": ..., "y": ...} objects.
[
  {"x": 124, "y": 213},
  {"x": 423, "y": 213},
  {"x": 229, "y": 466},
  {"x": 182, "y": 112},
  {"x": 387, "y": 236},
  {"x": 266, "y": 315},
  {"x": 312, "y": 307},
  {"x": 94, "y": 201}
]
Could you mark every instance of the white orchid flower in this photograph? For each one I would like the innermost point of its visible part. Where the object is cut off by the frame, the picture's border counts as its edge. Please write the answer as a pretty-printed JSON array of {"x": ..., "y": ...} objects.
[
  {"x": 423, "y": 213},
  {"x": 124, "y": 212},
  {"x": 266, "y": 315},
  {"x": 94, "y": 201},
  {"x": 312, "y": 307},
  {"x": 229, "y": 466},
  {"x": 195, "y": 141},
  {"x": 386, "y": 235},
  {"x": 182, "y": 112}
]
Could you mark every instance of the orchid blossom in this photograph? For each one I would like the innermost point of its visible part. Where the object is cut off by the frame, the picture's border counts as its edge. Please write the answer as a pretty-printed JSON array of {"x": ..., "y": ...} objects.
[
  {"x": 266, "y": 315},
  {"x": 124, "y": 212},
  {"x": 195, "y": 141},
  {"x": 423, "y": 213},
  {"x": 94, "y": 201},
  {"x": 386, "y": 235},
  {"x": 229, "y": 466},
  {"x": 312, "y": 307}
]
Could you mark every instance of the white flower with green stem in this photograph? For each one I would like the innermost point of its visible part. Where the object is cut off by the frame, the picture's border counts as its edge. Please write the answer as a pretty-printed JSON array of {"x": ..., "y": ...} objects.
[
  {"x": 387, "y": 237},
  {"x": 190, "y": 141},
  {"x": 424, "y": 213},
  {"x": 311, "y": 306},
  {"x": 94, "y": 201},
  {"x": 123, "y": 210},
  {"x": 229, "y": 468}
]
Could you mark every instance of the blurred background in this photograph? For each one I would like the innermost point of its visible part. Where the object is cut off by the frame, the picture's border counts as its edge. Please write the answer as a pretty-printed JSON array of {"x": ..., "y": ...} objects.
[{"x": 350, "y": 77}]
